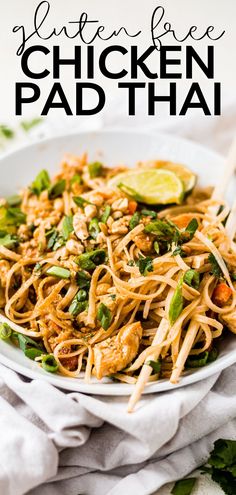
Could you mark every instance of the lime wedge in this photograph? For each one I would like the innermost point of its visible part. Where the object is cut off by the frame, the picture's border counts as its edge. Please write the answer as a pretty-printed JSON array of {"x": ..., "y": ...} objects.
[
  {"x": 187, "y": 176},
  {"x": 150, "y": 186}
]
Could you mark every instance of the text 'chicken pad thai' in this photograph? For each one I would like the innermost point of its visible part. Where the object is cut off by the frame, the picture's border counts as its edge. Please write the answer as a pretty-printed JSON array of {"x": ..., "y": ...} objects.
[{"x": 104, "y": 277}]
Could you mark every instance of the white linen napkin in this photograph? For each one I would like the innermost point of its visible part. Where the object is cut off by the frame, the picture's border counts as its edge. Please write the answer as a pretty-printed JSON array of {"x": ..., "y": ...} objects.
[{"x": 58, "y": 443}]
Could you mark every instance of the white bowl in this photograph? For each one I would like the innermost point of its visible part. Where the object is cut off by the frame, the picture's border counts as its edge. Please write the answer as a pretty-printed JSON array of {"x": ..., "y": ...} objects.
[{"x": 112, "y": 147}]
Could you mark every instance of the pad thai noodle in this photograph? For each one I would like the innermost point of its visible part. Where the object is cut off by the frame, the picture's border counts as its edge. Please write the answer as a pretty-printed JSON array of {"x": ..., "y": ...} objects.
[{"x": 95, "y": 282}]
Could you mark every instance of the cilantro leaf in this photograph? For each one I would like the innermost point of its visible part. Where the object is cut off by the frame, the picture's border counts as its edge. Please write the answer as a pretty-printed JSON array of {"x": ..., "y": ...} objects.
[
  {"x": 184, "y": 487},
  {"x": 145, "y": 265},
  {"x": 215, "y": 268},
  {"x": 155, "y": 365}
]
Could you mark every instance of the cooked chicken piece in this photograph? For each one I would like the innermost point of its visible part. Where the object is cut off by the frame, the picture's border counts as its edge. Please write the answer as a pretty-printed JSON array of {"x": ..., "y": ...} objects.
[
  {"x": 144, "y": 242},
  {"x": 115, "y": 353},
  {"x": 229, "y": 319}
]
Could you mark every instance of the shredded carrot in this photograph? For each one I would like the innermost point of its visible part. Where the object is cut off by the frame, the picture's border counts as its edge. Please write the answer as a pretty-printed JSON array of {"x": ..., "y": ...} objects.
[{"x": 132, "y": 206}]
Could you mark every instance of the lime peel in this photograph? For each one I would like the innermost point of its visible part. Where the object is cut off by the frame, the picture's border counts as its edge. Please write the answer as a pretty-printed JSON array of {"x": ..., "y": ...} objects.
[{"x": 157, "y": 186}]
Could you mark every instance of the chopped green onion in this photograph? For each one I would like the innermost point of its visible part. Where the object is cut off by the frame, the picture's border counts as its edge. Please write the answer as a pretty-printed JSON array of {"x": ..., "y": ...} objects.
[
  {"x": 155, "y": 365},
  {"x": 32, "y": 353},
  {"x": 67, "y": 226},
  {"x": 215, "y": 267},
  {"x": 78, "y": 304},
  {"x": 105, "y": 214},
  {"x": 156, "y": 247},
  {"x": 14, "y": 200},
  {"x": 58, "y": 271},
  {"x": 89, "y": 261},
  {"x": 5, "y": 331},
  {"x": 38, "y": 268},
  {"x": 104, "y": 316},
  {"x": 192, "y": 278},
  {"x": 6, "y": 132},
  {"x": 49, "y": 363},
  {"x": 57, "y": 189},
  {"x": 95, "y": 169},
  {"x": 192, "y": 227},
  {"x": 176, "y": 303},
  {"x": 82, "y": 295},
  {"x": 149, "y": 213},
  {"x": 94, "y": 228},
  {"x": 40, "y": 183},
  {"x": 81, "y": 202},
  {"x": 134, "y": 221},
  {"x": 130, "y": 192},
  {"x": 55, "y": 241},
  {"x": 27, "y": 125},
  {"x": 83, "y": 279},
  {"x": 76, "y": 179}
]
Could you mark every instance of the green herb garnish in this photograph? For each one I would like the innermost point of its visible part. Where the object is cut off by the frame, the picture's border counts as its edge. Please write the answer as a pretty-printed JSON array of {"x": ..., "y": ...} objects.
[
  {"x": 6, "y": 132},
  {"x": 134, "y": 221},
  {"x": 83, "y": 279},
  {"x": 145, "y": 265},
  {"x": 79, "y": 303},
  {"x": 94, "y": 228},
  {"x": 10, "y": 218},
  {"x": 27, "y": 125},
  {"x": 56, "y": 190},
  {"x": 215, "y": 267},
  {"x": 192, "y": 278},
  {"x": 155, "y": 365},
  {"x": 5, "y": 331},
  {"x": 95, "y": 169},
  {"x": 56, "y": 240},
  {"x": 81, "y": 202},
  {"x": 49, "y": 363},
  {"x": 58, "y": 271},
  {"x": 177, "y": 303},
  {"x": 14, "y": 200},
  {"x": 179, "y": 251},
  {"x": 184, "y": 487},
  {"x": 67, "y": 227},
  {"x": 199, "y": 360},
  {"x": 105, "y": 214},
  {"x": 130, "y": 192},
  {"x": 89, "y": 261},
  {"x": 104, "y": 316},
  {"x": 9, "y": 241},
  {"x": 76, "y": 179},
  {"x": 149, "y": 213},
  {"x": 41, "y": 182},
  {"x": 32, "y": 353}
]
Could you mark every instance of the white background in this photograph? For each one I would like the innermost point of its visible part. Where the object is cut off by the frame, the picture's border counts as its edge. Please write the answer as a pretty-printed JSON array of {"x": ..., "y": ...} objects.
[{"x": 135, "y": 15}]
